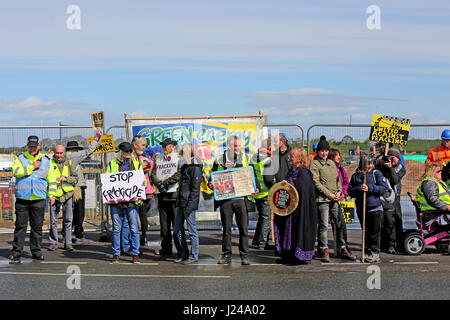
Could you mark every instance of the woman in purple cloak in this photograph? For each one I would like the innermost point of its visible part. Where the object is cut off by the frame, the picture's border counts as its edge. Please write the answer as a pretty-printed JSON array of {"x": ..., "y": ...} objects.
[{"x": 295, "y": 234}]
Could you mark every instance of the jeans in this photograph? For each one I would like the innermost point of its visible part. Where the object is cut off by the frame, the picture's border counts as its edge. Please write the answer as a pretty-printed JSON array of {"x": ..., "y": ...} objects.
[
  {"x": 118, "y": 216},
  {"x": 126, "y": 236},
  {"x": 333, "y": 210},
  {"x": 32, "y": 210},
  {"x": 180, "y": 236},
  {"x": 263, "y": 225},
  {"x": 67, "y": 222},
  {"x": 227, "y": 208}
]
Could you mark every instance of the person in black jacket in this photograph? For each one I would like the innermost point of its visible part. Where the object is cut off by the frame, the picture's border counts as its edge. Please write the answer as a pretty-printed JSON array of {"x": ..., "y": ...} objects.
[
  {"x": 374, "y": 186},
  {"x": 280, "y": 166},
  {"x": 392, "y": 223},
  {"x": 187, "y": 203}
]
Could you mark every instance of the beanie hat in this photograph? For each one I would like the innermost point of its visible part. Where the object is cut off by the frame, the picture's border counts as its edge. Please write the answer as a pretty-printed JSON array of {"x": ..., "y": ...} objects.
[{"x": 323, "y": 144}]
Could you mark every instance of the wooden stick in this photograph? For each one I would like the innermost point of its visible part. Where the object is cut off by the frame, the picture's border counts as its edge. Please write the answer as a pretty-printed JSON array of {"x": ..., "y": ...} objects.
[{"x": 364, "y": 220}]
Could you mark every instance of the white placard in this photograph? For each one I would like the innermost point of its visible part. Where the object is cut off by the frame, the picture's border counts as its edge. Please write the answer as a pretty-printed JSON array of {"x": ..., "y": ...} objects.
[
  {"x": 125, "y": 186},
  {"x": 166, "y": 166},
  {"x": 90, "y": 199}
]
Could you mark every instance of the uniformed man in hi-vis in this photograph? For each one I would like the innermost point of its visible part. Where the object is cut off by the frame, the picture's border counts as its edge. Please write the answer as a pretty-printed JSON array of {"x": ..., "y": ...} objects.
[{"x": 30, "y": 170}]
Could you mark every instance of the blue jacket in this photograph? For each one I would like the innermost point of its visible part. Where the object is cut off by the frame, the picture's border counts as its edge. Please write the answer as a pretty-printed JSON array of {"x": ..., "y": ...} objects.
[{"x": 377, "y": 185}]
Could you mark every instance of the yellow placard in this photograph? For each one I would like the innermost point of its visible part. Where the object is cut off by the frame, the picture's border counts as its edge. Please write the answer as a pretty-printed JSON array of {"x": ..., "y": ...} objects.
[
  {"x": 390, "y": 129},
  {"x": 106, "y": 144},
  {"x": 97, "y": 120},
  {"x": 348, "y": 210}
]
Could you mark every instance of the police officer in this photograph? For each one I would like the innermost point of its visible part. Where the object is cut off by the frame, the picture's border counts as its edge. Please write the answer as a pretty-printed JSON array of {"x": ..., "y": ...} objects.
[{"x": 30, "y": 170}]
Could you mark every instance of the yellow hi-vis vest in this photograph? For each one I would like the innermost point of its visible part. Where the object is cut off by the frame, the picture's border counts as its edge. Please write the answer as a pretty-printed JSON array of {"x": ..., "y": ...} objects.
[
  {"x": 443, "y": 195},
  {"x": 56, "y": 190},
  {"x": 259, "y": 169}
]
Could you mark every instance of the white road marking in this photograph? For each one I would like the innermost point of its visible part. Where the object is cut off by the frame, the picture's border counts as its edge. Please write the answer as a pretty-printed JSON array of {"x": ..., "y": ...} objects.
[
  {"x": 63, "y": 262},
  {"x": 115, "y": 275},
  {"x": 418, "y": 262}
]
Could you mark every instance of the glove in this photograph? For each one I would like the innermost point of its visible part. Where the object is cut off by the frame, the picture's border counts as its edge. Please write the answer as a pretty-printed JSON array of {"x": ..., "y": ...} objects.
[{"x": 161, "y": 187}]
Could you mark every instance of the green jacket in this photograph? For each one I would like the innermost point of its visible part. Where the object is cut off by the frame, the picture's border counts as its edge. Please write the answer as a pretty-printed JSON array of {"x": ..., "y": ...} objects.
[{"x": 326, "y": 179}]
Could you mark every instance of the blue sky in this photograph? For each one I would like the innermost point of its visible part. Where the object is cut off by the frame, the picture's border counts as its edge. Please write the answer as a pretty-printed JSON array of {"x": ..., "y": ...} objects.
[{"x": 299, "y": 62}]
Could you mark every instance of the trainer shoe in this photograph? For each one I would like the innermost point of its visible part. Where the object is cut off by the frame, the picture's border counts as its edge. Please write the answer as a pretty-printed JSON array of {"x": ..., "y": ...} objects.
[
  {"x": 14, "y": 259},
  {"x": 391, "y": 250},
  {"x": 136, "y": 259},
  {"x": 68, "y": 247},
  {"x": 245, "y": 261},
  {"x": 189, "y": 261},
  {"x": 373, "y": 258},
  {"x": 52, "y": 247},
  {"x": 38, "y": 257},
  {"x": 115, "y": 259},
  {"x": 224, "y": 259},
  {"x": 347, "y": 254},
  {"x": 82, "y": 240},
  {"x": 326, "y": 256}
]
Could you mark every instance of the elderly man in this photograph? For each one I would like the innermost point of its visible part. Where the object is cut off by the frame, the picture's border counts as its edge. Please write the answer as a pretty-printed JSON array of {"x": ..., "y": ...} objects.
[
  {"x": 77, "y": 154},
  {"x": 62, "y": 178},
  {"x": 30, "y": 170},
  {"x": 441, "y": 154}
]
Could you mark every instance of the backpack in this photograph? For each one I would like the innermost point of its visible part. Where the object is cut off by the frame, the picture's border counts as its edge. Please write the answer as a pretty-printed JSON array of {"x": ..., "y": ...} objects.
[{"x": 388, "y": 198}]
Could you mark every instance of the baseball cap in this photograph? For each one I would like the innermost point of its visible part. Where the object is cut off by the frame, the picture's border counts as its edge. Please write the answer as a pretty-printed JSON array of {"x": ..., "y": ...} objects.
[
  {"x": 33, "y": 141},
  {"x": 168, "y": 141}
]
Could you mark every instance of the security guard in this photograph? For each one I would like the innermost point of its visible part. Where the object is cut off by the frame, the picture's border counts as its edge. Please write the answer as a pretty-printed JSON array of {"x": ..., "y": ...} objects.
[
  {"x": 62, "y": 177},
  {"x": 30, "y": 170}
]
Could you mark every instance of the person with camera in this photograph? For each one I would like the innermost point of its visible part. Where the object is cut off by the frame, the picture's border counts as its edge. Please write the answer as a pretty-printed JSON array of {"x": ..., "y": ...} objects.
[{"x": 392, "y": 223}]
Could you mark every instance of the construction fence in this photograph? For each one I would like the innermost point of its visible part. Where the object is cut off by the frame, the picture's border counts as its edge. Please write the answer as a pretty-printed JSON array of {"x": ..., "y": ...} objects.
[{"x": 346, "y": 138}]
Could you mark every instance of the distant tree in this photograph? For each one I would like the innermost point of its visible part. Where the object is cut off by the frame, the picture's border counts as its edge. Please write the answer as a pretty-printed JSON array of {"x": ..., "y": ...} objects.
[{"x": 347, "y": 140}]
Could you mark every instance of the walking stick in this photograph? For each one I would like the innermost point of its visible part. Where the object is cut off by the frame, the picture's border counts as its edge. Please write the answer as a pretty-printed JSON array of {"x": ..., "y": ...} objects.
[{"x": 364, "y": 220}]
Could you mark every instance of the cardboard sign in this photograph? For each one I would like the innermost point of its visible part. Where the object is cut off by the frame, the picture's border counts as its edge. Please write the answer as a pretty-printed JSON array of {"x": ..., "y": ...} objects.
[
  {"x": 126, "y": 186},
  {"x": 97, "y": 120},
  {"x": 348, "y": 211},
  {"x": 106, "y": 144},
  {"x": 166, "y": 166},
  {"x": 389, "y": 129},
  {"x": 283, "y": 198},
  {"x": 233, "y": 183}
]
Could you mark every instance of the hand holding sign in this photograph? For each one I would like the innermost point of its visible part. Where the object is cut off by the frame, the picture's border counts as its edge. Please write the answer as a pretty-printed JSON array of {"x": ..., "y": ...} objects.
[{"x": 126, "y": 186}]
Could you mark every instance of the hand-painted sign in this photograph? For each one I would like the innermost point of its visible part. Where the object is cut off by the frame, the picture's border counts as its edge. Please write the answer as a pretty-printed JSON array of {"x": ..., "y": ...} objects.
[
  {"x": 348, "y": 211},
  {"x": 233, "y": 183},
  {"x": 98, "y": 121},
  {"x": 166, "y": 166},
  {"x": 389, "y": 129},
  {"x": 106, "y": 144},
  {"x": 283, "y": 198},
  {"x": 126, "y": 186}
]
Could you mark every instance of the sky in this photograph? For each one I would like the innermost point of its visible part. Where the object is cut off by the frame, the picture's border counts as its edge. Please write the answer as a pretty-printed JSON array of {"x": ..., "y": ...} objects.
[{"x": 299, "y": 62}]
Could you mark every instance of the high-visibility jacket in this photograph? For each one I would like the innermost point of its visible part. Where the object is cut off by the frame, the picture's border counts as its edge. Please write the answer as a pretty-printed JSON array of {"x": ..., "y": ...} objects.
[
  {"x": 244, "y": 163},
  {"x": 438, "y": 155},
  {"x": 113, "y": 166},
  {"x": 423, "y": 204},
  {"x": 56, "y": 190},
  {"x": 259, "y": 170},
  {"x": 31, "y": 184}
]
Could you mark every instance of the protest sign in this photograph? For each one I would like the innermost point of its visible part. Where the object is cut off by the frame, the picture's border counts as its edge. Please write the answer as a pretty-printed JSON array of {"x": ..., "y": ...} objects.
[
  {"x": 233, "y": 183},
  {"x": 389, "y": 129},
  {"x": 126, "y": 186},
  {"x": 166, "y": 166},
  {"x": 106, "y": 144},
  {"x": 348, "y": 211},
  {"x": 283, "y": 198},
  {"x": 90, "y": 201},
  {"x": 97, "y": 120}
]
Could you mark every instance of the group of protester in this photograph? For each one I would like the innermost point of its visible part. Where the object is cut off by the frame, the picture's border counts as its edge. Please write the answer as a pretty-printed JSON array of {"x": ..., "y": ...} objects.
[{"x": 321, "y": 182}]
